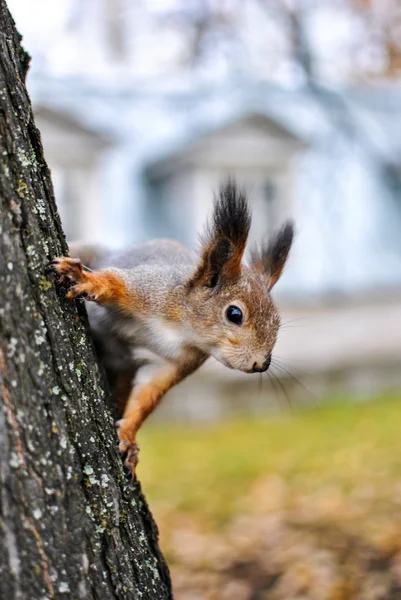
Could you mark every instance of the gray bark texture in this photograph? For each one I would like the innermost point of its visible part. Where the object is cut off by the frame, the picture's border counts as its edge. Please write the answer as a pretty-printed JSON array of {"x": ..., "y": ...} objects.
[{"x": 72, "y": 524}]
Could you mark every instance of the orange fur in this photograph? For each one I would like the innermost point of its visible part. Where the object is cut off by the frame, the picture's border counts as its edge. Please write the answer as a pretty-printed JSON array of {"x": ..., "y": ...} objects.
[
  {"x": 175, "y": 313},
  {"x": 102, "y": 287},
  {"x": 139, "y": 406},
  {"x": 232, "y": 269},
  {"x": 271, "y": 277}
]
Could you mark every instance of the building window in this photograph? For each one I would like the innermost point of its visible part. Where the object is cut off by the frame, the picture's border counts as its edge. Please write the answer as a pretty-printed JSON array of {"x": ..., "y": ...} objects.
[
  {"x": 264, "y": 200},
  {"x": 269, "y": 193}
]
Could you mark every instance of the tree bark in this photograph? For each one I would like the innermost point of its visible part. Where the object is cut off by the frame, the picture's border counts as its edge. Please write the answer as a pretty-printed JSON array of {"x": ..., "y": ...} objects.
[{"x": 72, "y": 525}]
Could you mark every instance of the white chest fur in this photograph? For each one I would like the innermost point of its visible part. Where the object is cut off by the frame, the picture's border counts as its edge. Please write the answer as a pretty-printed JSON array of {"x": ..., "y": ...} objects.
[
  {"x": 156, "y": 336},
  {"x": 165, "y": 339}
]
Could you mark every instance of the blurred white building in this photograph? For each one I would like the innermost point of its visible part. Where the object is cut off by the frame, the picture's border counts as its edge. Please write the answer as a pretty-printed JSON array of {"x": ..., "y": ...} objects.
[{"x": 75, "y": 153}]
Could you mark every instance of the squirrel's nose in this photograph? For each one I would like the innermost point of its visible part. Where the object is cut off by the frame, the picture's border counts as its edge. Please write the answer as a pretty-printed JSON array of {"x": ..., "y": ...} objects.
[{"x": 264, "y": 366}]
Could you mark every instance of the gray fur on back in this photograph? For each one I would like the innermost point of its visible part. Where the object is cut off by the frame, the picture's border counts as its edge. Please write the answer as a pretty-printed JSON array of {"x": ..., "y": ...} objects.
[{"x": 154, "y": 252}]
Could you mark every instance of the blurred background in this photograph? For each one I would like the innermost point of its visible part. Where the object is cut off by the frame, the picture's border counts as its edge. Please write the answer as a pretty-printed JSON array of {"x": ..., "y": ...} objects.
[{"x": 291, "y": 485}]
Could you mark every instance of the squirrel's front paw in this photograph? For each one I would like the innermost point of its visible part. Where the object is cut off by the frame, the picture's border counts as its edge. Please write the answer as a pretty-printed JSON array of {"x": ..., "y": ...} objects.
[
  {"x": 128, "y": 447},
  {"x": 70, "y": 270}
]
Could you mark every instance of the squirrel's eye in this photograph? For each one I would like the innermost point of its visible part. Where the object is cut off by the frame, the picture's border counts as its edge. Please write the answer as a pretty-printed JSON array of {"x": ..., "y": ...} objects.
[{"x": 234, "y": 314}]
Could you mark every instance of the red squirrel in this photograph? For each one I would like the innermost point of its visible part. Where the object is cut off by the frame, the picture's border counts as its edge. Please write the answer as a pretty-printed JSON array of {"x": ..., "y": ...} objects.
[{"x": 158, "y": 307}]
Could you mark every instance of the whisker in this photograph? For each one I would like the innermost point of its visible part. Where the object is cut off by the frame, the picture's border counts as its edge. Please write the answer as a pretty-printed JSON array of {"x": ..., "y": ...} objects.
[
  {"x": 85, "y": 268},
  {"x": 287, "y": 327},
  {"x": 295, "y": 320},
  {"x": 311, "y": 394},
  {"x": 281, "y": 386},
  {"x": 273, "y": 386},
  {"x": 280, "y": 360},
  {"x": 260, "y": 383}
]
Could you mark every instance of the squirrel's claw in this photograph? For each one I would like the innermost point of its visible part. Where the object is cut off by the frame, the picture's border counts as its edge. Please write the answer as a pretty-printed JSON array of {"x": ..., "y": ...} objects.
[
  {"x": 132, "y": 459},
  {"x": 131, "y": 450},
  {"x": 69, "y": 269},
  {"x": 80, "y": 290}
]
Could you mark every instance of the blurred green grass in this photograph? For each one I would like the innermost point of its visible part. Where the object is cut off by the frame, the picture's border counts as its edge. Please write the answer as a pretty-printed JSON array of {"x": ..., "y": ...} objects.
[{"x": 342, "y": 449}]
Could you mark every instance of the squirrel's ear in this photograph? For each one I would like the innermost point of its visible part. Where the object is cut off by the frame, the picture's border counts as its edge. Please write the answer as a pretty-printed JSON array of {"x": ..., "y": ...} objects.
[
  {"x": 225, "y": 239},
  {"x": 270, "y": 259}
]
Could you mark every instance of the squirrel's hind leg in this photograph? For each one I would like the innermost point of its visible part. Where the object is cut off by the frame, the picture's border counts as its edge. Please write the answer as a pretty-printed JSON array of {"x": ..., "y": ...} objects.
[
  {"x": 142, "y": 401},
  {"x": 144, "y": 398}
]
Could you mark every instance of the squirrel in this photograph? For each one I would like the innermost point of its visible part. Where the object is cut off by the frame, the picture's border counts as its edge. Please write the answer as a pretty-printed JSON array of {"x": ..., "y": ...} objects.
[{"x": 157, "y": 307}]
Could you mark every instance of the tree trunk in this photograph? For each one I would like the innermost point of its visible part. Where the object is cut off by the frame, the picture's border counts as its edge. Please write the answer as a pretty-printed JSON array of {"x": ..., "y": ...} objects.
[{"x": 72, "y": 525}]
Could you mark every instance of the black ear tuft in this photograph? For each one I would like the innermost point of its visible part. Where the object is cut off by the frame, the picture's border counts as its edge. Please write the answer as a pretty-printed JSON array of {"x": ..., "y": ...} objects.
[
  {"x": 271, "y": 258},
  {"x": 225, "y": 238},
  {"x": 231, "y": 216}
]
